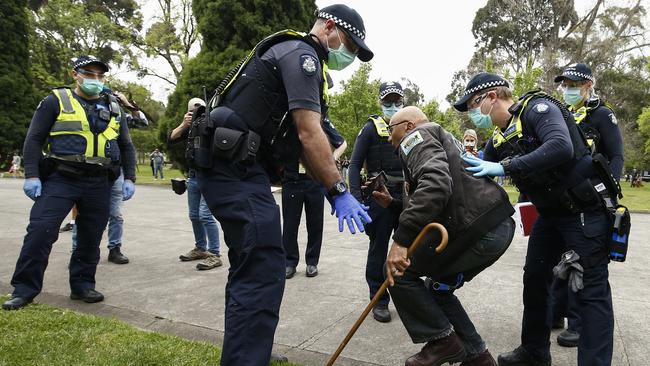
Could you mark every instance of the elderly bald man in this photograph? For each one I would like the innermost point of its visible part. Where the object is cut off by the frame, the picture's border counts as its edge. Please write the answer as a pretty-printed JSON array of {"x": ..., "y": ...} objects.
[{"x": 475, "y": 211}]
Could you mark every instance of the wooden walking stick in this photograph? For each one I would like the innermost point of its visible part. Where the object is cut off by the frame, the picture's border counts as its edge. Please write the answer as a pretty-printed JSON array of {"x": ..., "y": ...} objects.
[{"x": 384, "y": 286}]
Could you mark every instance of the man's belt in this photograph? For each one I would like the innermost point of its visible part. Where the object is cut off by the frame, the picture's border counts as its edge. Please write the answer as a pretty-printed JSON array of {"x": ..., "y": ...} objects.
[{"x": 80, "y": 158}]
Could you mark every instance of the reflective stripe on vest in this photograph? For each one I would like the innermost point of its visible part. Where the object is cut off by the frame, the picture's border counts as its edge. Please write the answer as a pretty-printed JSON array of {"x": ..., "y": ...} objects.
[
  {"x": 580, "y": 115},
  {"x": 72, "y": 120},
  {"x": 380, "y": 126}
]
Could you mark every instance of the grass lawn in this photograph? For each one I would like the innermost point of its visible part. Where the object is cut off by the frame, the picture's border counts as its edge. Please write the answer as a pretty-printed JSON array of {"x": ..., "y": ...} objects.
[
  {"x": 44, "y": 335},
  {"x": 143, "y": 175},
  {"x": 636, "y": 199}
]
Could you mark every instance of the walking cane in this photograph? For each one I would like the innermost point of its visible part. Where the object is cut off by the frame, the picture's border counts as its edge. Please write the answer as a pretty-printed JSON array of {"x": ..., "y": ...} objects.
[{"x": 384, "y": 286}]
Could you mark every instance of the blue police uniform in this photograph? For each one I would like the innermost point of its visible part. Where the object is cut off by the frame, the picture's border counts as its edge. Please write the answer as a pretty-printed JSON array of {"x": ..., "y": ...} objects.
[
  {"x": 378, "y": 155},
  {"x": 552, "y": 166},
  {"x": 67, "y": 181},
  {"x": 598, "y": 123},
  {"x": 299, "y": 189}
]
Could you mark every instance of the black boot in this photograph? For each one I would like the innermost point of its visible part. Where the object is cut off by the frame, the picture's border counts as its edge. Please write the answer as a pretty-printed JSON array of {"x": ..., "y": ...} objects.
[
  {"x": 116, "y": 256},
  {"x": 568, "y": 338},
  {"x": 521, "y": 357},
  {"x": 16, "y": 303}
]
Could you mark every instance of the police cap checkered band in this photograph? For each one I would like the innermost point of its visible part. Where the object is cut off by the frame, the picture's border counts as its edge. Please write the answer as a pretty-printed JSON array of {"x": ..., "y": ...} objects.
[
  {"x": 351, "y": 23},
  {"x": 390, "y": 88},
  {"x": 489, "y": 84},
  {"x": 578, "y": 74},
  {"x": 343, "y": 24},
  {"x": 84, "y": 60},
  {"x": 479, "y": 82}
]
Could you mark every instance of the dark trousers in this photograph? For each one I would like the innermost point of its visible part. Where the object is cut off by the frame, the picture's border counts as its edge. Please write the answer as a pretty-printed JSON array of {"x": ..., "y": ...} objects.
[
  {"x": 240, "y": 198},
  {"x": 428, "y": 314},
  {"x": 587, "y": 234},
  {"x": 295, "y": 194},
  {"x": 563, "y": 304},
  {"x": 59, "y": 194},
  {"x": 379, "y": 232}
]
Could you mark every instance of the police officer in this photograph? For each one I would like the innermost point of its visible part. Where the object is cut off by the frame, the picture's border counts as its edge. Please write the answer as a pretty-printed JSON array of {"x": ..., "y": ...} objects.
[
  {"x": 373, "y": 149},
  {"x": 537, "y": 143},
  {"x": 599, "y": 125},
  {"x": 268, "y": 112},
  {"x": 87, "y": 143},
  {"x": 299, "y": 189}
]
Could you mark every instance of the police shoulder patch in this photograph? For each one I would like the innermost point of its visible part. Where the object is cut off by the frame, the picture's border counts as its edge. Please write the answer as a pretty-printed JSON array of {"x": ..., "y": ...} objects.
[
  {"x": 541, "y": 108},
  {"x": 612, "y": 118},
  {"x": 308, "y": 64},
  {"x": 410, "y": 142}
]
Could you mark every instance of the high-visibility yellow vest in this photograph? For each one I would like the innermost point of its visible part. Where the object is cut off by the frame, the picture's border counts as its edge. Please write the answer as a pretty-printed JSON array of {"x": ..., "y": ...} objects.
[{"x": 72, "y": 121}]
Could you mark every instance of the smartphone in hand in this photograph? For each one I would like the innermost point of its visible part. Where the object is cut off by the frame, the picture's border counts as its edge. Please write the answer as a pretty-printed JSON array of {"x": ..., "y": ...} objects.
[{"x": 373, "y": 184}]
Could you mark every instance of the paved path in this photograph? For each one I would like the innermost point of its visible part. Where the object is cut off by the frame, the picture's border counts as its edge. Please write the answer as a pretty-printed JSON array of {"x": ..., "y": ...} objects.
[{"x": 158, "y": 292}]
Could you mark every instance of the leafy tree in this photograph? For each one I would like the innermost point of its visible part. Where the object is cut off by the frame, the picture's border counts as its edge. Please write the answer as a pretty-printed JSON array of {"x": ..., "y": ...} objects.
[
  {"x": 412, "y": 94},
  {"x": 170, "y": 38},
  {"x": 358, "y": 99},
  {"x": 63, "y": 29},
  {"x": 229, "y": 29},
  {"x": 18, "y": 102}
]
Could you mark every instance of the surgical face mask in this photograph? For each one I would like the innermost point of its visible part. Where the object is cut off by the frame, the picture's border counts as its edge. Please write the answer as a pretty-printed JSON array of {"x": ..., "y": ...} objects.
[
  {"x": 479, "y": 119},
  {"x": 340, "y": 58},
  {"x": 572, "y": 96},
  {"x": 390, "y": 110},
  {"x": 470, "y": 143},
  {"x": 91, "y": 87}
]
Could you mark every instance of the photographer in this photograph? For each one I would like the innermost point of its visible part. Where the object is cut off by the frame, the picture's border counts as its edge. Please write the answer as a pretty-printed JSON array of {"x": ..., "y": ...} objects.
[{"x": 204, "y": 226}]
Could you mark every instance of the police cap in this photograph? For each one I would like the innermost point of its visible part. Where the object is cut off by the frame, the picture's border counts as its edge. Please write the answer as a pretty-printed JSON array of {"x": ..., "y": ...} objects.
[
  {"x": 348, "y": 20},
  {"x": 85, "y": 60},
  {"x": 390, "y": 87},
  {"x": 479, "y": 82},
  {"x": 576, "y": 72}
]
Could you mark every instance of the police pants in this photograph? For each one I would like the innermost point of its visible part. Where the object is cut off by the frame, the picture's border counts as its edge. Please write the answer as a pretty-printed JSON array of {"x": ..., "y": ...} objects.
[
  {"x": 563, "y": 303},
  {"x": 240, "y": 198},
  {"x": 59, "y": 194},
  {"x": 295, "y": 194},
  {"x": 379, "y": 231},
  {"x": 587, "y": 234}
]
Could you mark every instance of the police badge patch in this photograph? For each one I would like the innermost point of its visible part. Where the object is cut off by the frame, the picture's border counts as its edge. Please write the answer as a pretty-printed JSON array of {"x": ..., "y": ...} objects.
[
  {"x": 612, "y": 118},
  {"x": 541, "y": 108},
  {"x": 308, "y": 64}
]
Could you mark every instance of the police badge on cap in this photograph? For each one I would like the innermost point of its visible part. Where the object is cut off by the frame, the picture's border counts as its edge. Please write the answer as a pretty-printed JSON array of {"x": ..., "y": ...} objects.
[{"x": 390, "y": 87}]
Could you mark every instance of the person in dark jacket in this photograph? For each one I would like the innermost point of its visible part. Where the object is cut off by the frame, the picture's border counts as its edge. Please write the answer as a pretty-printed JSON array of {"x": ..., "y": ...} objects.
[{"x": 476, "y": 213}]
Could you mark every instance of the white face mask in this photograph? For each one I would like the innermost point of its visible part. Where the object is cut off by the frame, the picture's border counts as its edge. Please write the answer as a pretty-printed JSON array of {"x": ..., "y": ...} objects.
[{"x": 470, "y": 143}]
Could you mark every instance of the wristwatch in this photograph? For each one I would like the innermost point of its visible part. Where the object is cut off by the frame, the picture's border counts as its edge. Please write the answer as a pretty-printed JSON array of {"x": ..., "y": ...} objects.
[
  {"x": 338, "y": 189},
  {"x": 505, "y": 163}
]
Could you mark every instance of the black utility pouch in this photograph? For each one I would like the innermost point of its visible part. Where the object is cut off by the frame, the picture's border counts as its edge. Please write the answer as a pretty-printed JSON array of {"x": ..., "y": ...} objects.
[
  {"x": 226, "y": 144},
  {"x": 251, "y": 144},
  {"x": 585, "y": 195}
]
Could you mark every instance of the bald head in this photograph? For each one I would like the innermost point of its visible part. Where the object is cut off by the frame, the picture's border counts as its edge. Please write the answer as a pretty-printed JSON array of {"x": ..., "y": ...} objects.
[{"x": 405, "y": 120}]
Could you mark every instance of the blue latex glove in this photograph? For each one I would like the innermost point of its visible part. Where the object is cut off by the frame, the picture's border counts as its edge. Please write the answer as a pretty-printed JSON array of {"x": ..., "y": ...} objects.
[
  {"x": 348, "y": 209},
  {"x": 32, "y": 188},
  {"x": 481, "y": 168},
  {"x": 128, "y": 189}
]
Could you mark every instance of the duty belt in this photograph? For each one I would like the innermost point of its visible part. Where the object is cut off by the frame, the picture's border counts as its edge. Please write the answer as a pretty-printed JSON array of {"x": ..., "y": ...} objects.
[{"x": 80, "y": 158}]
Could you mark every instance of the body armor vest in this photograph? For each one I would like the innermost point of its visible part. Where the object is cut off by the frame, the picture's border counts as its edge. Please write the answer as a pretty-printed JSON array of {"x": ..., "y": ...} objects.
[
  {"x": 517, "y": 140},
  {"x": 252, "y": 98},
  {"x": 381, "y": 155},
  {"x": 582, "y": 117},
  {"x": 71, "y": 138}
]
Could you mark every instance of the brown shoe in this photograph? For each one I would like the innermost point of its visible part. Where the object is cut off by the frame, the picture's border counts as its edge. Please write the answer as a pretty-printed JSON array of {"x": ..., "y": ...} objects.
[
  {"x": 483, "y": 359},
  {"x": 212, "y": 261},
  {"x": 194, "y": 254},
  {"x": 435, "y": 353}
]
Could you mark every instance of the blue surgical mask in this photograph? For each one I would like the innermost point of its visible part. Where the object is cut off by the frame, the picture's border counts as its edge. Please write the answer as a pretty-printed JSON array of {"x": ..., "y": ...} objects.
[
  {"x": 479, "y": 119},
  {"x": 390, "y": 111},
  {"x": 340, "y": 58},
  {"x": 572, "y": 96},
  {"x": 91, "y": 87}
]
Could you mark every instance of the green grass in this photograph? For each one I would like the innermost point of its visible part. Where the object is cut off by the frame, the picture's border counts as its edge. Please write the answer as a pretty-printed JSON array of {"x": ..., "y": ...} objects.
[
  {"x": 636, "y": 199},
  {"x": 44, "y": 335},
  {"x": 143, "y": 175}
]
